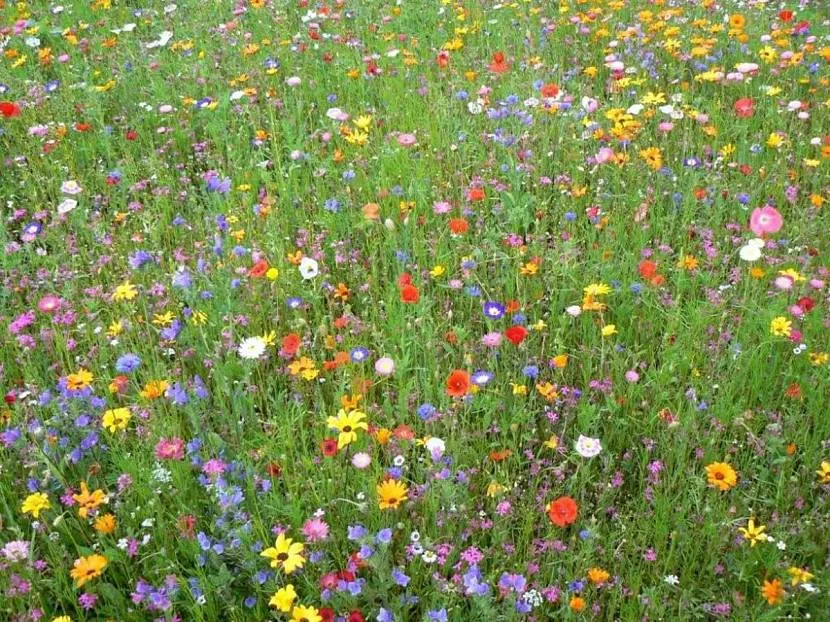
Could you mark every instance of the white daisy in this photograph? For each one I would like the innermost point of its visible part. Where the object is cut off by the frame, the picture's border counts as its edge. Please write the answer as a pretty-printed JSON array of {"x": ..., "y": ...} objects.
[{"x": 252, "y": 348}]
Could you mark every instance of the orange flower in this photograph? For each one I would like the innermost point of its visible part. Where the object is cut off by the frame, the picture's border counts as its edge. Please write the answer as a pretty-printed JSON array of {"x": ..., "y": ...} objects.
[
  {"x": 562, "y": 511},
  {"x": 499, "y": 64},
  {"x": 459, "y": 226},
  {"x": 458, "y": 383},
  {"x": 410, "y": 294},
  {"x": 773, "y": 591}
]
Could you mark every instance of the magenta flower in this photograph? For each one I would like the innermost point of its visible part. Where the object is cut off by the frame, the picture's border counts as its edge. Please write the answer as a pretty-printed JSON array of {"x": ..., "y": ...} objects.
[{"x": 765, "y": 220}]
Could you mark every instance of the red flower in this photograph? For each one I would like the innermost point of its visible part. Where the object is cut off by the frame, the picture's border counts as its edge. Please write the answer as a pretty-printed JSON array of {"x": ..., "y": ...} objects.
[
  {"x": 290, "y": 344},
  {"x": 647, "y": 268},
  {"x": 562, "y": 511},
  {"x": 329, "y": 447},
  {"x": 499, "y": 64},
  {"x": 516, "y": 334},
  {"x": 443, "y": 59},
  {"x": 10, "y": 398},
  {"x": 327, "y": 614},
  {"x": 259, "y": 269},
  {"x": 785, "y": 15},
  {"x": 9, "y": 109},
  {"x": 355, "y": 616},
  {"x": 550, "y": 90},
  {"x": 475, "y": 194},
  {"x": 410, "y": 294},
  {"x": 404, "y": 279},
  {"x": 458, "y": 383},
  {"x": 459, "y": 226},
  {"x": 807, "y": 304},
  {"x": 131, "y": 135},
  {"x": 83, "y": 127},
  {"x": 744, "y": 107}
]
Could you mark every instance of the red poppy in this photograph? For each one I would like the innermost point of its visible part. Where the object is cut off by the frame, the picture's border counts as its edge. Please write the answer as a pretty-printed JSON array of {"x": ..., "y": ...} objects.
[
  {"x": 475, "y": 194},
  {"x": 744, "y": 107},
  {"x": 550, "y": 90},
  {"x": 9, "y": 109},
  {"x": 329, "y": 447},
  {"x": 516, "y": 334},
  {"x": 785, "y": 15},
  {"x": 807, "y": 304},
  {"x": 443, "y": 59},
  {"x": 290, "y": 344},
  {"x": 327, "y": 614},
  {"x": 355, "y": 616},
  {"x": 745, "y": 169},
  {"x": 647, "y": 268},
  {"x": 410, "y": 294},
  {"x": 562, "y": 511},
  {"x": 259, "y": 269},
  {"x": 458, "y": 383},
  {"x": 273, "y": 469},
  {"x": 512, "y": 306},
  {"x": 83, "y": 127},
  {"x": 404, "y": 279},
  {"x": 403, "y": 432},
  {"x": 131, "y": 135},
  {"x": 499, "y": 64},
  {"x": 459, "y": 226}
]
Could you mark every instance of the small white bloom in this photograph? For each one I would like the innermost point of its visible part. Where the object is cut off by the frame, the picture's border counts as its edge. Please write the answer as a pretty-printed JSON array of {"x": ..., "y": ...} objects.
[
  {"x": 671, "y": 579},
  {"x": 588, "y": 447},
  {"x": 309, "y": 268},
  {"x": 573, "y": 310},
  {"x": 252, "y": 348},
  {"x": 429, "y": 557},
  {"x": 749, "y": 253}
]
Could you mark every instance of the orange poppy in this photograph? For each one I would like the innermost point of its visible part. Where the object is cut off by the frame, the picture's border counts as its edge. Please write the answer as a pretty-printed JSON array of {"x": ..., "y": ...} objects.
[
  {"x": 458, "y": 383},
  {"x": 562, "y": 511},
  {"x": 499, "y": 64}
]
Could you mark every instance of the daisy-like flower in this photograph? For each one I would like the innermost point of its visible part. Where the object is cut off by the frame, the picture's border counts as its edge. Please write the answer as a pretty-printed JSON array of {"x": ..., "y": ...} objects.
[
  {"x": 753, "y": 533},
  {"x": 252, "y": 348},
  {"x": 309, "y": 268},
  {"x": 347, "y": 424},
  {"x": 285, "y": 554},
  {"x": 87, "y": 568},
  {"x": 35, "y": 503},
  {"x": 588, "y": 447},
  {"x": 391, "y": 493},
  {"x": 721, "y": 475}
]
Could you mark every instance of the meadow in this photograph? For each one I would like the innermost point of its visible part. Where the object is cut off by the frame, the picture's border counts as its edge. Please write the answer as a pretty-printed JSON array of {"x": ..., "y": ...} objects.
[{"x": 413, "y": 310}]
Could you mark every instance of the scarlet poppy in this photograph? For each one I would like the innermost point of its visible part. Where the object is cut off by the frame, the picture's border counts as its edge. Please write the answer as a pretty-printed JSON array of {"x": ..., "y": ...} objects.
[
  {"x": 785, "y": 15},
  {"x": 404, "y": 279},
  {"x": 475, "y": 194},
  {"x": 326, "y": 614},
  {"x": 647, "y": 268},
  {"x": 459, "y": 226},
  {"x": 329, "y": 447},
  {"x": 744, "y": 107},
  {"x": 562, "y": 511},
  {"x": 9, "y": 109},
  {"x": 290, "y": 344},
  {"x": 355, "y": 616},
  {"x": 443, "y": 59},
  {"x": 550, "y": 90},
  {"x": 499, "y": 64},
  {"x": 410, "y": 294},
  {"x": 516, "y": 334},
  {"x": 458, "y": 383},
  {"x": 259, "y": 269}
]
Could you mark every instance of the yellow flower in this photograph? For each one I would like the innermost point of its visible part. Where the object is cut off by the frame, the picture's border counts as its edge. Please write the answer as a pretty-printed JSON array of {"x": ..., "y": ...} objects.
[
  {"x": 154, "y": 389},
  {"x": 437, "y": 271},
  {"x": 824, "y": 472},
  {"x": 560, "y": 361},
  {"x": 798, "y": 575},
  {"x": 529, "y": 269},
  {"x": 88, "y": 500},
  {"x": 125, "y": 291},
  {"x": 284, "y": 598},
  {"x": 301, "y": 613},
  {"x": 597, "y": 289},
  {"x": 272, "y": 274},
  {"x": 519, "y": 389},
  {"x": 552, "y": 442},
  {"x": 285, "y": 554},
  {"x": 115, "y": 329},
  {"x": 780, "y": 327},
  {"x": 653, "y": 157},
  {"x": 608, "y": 330},
  {"x": 105, "y": 523},
  {"x": 347, "y": 424},
  {"x": 304, "y": 367},
  {"x": 752, "y": 533},
  {"x": 774, "y": 140},
  {"x": 87, "y": 568},
  {"x": 494, "y": 488},
  {"x": 721, "y": 475},
  {"x": 198, "y": 318},
  {"x": 79, "y": 380},
  {"x": 116, "y": 419},
  {"x": 62, "y": 619},
  {"x": 391, "y": 493},
  {"x": 35, "y": 503},
  {"x": 773, "y": 591},
  {"x": 363, "y": 121},
  {"x": 598, "y": 576},
  {"x": 688, "y": 262},
  {"x": 163, "y": 319}
]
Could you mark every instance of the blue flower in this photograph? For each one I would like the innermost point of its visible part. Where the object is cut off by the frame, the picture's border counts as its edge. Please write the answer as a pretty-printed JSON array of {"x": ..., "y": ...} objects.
[{"x": 127, "y": 363}]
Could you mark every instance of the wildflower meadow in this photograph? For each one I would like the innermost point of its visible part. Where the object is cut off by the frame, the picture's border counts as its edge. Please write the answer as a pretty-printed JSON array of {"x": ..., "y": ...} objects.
[{"x": 414, "y": 310}]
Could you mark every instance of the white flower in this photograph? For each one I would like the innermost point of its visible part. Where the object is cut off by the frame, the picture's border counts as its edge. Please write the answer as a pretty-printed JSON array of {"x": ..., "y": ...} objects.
[
  {"x": 588, "y": 447},
  {"x": 294, "y": 81},
  {"x": 429, "y": 557},
  {"x": 67, "y": 205},
  {"x": 436, "y": 447},
  {"x": 749, "y": 252},
  {"x": 573, "y": 310},
  {"x": 475, "y": 107},
  {"x": 782, "y": 546},
  {"x": 671, "y": 579},
  {"x": 361, "y": 460},
  {"x": 335, "y": 114},
  {"x": 252, "y": 348},
  {"x": 309, "y": 268},
  {"x": 71, "y": 187}
]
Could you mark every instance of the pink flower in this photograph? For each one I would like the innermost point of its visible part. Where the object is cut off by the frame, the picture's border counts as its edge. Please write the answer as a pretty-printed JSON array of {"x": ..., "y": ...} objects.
[
  {"x": 491, "y": 339},
  {"x": 406, "y": 140},
  {"x": 170, "y": 449},
  {"x": 765, "y": 220},
  {"x": 315, "y": 529},
  {"x": 604, "y": 155},
  {"x": 49, "y": 304}
]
